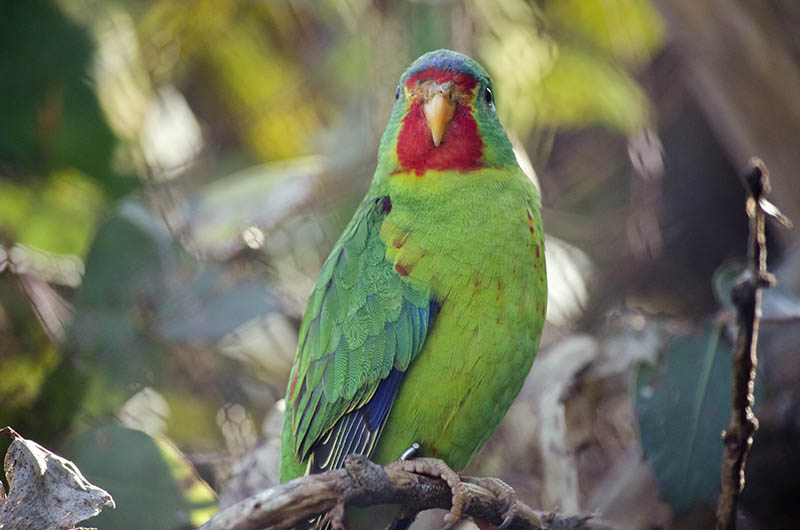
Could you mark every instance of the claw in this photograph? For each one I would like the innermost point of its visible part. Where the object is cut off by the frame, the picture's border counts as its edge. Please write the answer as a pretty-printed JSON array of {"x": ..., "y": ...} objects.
[
  {"x": 336, "y": 517},
  {"x": 438, "y": 469},
  {"x": 506, "y": 523},
  {"x": 504, "y": 493}
]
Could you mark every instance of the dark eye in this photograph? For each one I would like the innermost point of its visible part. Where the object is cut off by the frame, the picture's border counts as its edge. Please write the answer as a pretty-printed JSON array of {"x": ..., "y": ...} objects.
[
  {"x": 397, "y": 93},
  {"x": 487, "y": 95}
]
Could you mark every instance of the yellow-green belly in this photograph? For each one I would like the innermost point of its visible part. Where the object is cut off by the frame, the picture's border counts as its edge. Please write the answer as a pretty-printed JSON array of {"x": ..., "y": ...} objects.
[{"x": 488, "y": 274}]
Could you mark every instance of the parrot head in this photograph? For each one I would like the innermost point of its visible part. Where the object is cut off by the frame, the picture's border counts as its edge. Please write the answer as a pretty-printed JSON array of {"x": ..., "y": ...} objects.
[{"x": 444, "y": 119}]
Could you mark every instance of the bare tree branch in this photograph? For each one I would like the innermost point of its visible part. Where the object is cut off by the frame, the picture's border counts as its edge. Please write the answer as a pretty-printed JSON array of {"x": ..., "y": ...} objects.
[
  {"x": 363, "y": 483},
  {"x": 746, "y": 294}
]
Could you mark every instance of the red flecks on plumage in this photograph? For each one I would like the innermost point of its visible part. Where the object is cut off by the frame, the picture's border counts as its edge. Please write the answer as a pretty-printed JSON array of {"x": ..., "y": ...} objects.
[
  {"x": 537, "y": 251},
  {"x": 294, "y": 383},
  {"x": 399, "y": 241},
  {"x": 530, "y": 217},
  {"x": 401, "y": 269},
  {"x": 463, "y": 80},
  {"x": 530, "y": 228},
  {"x": 499, "y": 284},
  {"x": 387, "y": 204},
  {"x": 461, "y": 147}
]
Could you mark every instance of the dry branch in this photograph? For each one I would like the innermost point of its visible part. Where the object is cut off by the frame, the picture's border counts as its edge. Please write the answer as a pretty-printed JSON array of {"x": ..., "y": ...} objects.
[
  {"x": 746, "y": 294},
  {"x": 363, "y": 483}
]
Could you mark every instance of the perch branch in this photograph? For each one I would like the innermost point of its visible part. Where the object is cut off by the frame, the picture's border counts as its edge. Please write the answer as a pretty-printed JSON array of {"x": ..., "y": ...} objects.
[
  {"x": 746, "y": 294},
  {"x": 363, "y": 483}
]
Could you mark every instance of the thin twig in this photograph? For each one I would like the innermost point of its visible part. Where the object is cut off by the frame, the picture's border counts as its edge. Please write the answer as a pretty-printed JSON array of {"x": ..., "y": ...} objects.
[
  {"x": 363, "y": 483},
  {"x": 746, "y": 294}
]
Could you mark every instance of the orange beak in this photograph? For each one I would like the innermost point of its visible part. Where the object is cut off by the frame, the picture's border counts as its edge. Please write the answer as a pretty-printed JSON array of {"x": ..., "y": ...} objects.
[{"x": 438, "y": 110}]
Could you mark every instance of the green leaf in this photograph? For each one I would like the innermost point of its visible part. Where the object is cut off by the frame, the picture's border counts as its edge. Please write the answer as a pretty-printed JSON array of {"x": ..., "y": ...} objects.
[
  {"x": 51, "y": 115},
  {"x": 56, "y": 214},
  {"x": 128, "y": 273},
  {"x": 682, "y": 406},
  {"x": 628, "y": 30},
  {"x": 153, "y": 485}
]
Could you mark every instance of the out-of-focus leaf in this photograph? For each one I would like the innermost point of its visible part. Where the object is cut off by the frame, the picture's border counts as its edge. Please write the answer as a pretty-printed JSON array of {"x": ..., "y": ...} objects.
[
  {"x": 57, "y": 214},
  {"x": 128, "y": 270},
  {"x": 46, "y": 490},
  {"x": 26, "y": 354},
  {"x": 154, "y": 485},
  {"x": 682, "y": 406},
  {"x": 628, "y": 30},
  {"x": 208, "y": 308},
  {"x": 266, "y": 346},
  {"x": 140, "y": 298},
  {"x": 258, "y": 197},
  {"x": 192, "y": 420},
  {"x": 266, "y": 91},
  {"x": 51, "y": 116},
  {"x": 583, "y": 89},
  {"x": 554, "y": 76}
]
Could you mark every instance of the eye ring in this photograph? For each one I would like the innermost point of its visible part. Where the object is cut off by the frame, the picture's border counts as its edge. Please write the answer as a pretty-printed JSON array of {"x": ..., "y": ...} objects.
[{"x": 487, "y": 96}]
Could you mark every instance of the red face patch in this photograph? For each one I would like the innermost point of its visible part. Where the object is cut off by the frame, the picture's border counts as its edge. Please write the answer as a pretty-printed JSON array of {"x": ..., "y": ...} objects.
[{"x": 461, "y": 147}]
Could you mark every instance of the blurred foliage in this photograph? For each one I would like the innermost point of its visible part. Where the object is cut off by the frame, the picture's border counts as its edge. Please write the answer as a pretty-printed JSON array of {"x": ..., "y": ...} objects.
[
  {"x": 51, "y": 116},
  {"x": 573, "y": 73},
  {"x": 682, "y": 406},
  {"x": 173, "y": 173},
  {"x": 153, "y": 484}
]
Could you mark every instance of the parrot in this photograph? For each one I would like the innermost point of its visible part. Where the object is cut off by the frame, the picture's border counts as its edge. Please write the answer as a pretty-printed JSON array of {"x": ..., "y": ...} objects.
[{"x": 426, "y": 317}]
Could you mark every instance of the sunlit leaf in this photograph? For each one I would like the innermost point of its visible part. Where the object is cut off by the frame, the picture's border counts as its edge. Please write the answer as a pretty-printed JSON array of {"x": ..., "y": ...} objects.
[
  {"x": 628, "y": 30},
  {"x": 546, "y": 79},
  {"x": 582, "y": 89},
  {"x": 57, "y": 214}
]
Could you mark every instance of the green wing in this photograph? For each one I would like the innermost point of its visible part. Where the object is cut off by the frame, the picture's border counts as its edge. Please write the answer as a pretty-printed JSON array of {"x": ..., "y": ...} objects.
[{"x": 362, "y": 327}]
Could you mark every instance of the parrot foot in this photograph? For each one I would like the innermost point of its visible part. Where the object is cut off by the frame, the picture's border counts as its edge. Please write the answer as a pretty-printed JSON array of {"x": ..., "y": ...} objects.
[
  {"x": 336, "y": 517},
  {"x": 435, "y": 468},
  {"x": 504, "y": 494}
]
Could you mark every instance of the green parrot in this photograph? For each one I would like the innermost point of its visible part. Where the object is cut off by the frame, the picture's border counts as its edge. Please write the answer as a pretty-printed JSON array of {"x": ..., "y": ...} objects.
[{"x": 426, "y": 317}]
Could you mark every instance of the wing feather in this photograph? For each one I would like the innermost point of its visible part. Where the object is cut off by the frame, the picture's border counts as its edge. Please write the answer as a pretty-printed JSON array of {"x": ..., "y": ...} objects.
[{"x": 362, "y": 328}]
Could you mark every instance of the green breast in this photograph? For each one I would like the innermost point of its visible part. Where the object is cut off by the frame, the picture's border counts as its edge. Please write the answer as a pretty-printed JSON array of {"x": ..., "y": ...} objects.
[{"x": 476, "y": 240}]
